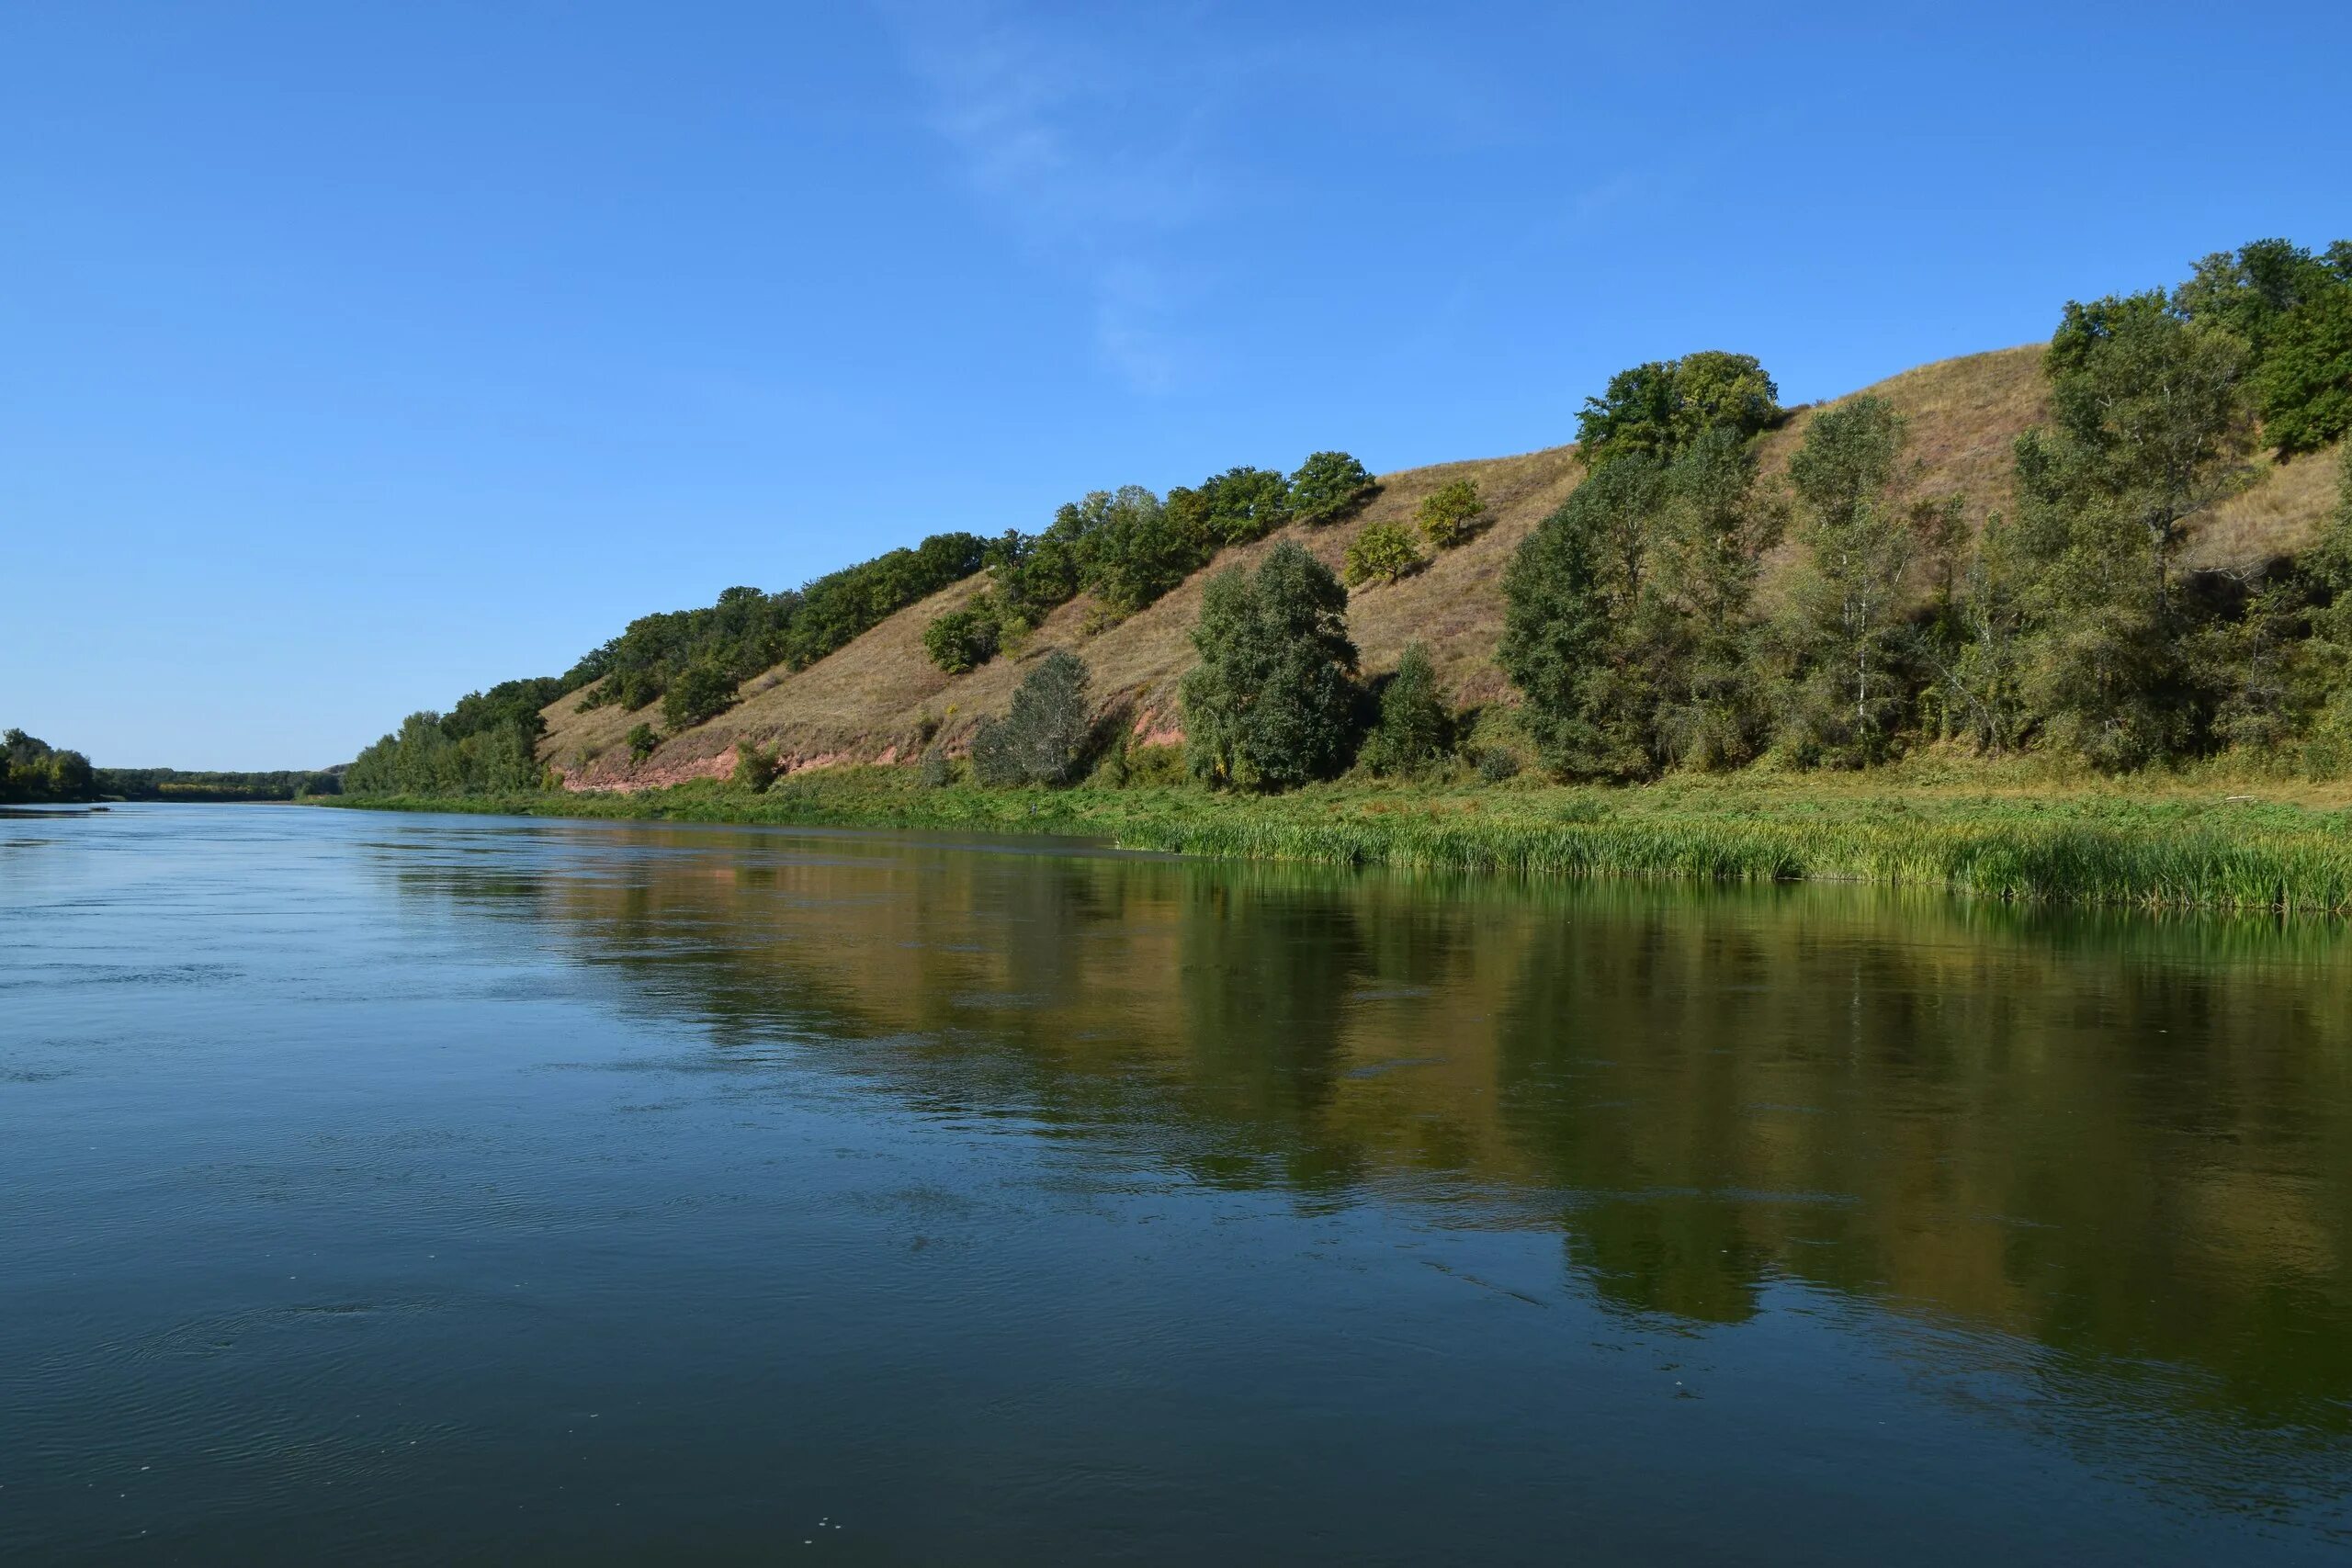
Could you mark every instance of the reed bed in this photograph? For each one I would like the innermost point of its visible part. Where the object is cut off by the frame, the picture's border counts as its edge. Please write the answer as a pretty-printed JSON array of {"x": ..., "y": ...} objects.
[{"x": 2087, "y": 848}]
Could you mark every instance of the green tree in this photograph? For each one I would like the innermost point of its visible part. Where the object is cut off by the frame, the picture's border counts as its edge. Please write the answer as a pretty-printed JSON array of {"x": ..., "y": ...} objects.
[
  {"x": 1381, "y": 552},
  {"x": 701, "y": 691},
  {"x": 1232, "y": 508},
  {"x": 2304, "y": 386},
  {"x": 2251, "y": 291},
  {"x": 755, "y": 768},
  {"x": 1572, "y": 597},
  {"x": 1138, "y": 552},
  {"x": 1043, "y": 738},
  {"x": 1416, "y": 726},
  {"x": 1846, "y": 623},
  {"x": 1707, "y": 544},
  {"x": 1451, "y": 512},
  {"x": 2149, "y": 424},
  {"x": 962, "y": 640},
  {"x": 1271, "y": 704},
  {"x": 1655, "y": 409},
  {"x": 641, "y": 743},
  {"x": 1330, "y": 486}
]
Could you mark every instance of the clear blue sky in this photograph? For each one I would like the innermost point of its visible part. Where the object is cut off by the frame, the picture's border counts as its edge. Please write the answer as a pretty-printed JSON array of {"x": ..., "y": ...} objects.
[{"x": 354, "y": 355}]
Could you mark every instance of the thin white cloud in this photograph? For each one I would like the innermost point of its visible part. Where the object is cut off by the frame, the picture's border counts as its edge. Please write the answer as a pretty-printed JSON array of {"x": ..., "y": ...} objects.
[{"x": 1080, "y": 147}]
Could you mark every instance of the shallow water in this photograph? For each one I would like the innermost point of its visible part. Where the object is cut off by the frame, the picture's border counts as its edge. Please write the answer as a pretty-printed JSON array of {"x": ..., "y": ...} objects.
[{"x": 412, "y": 1189}]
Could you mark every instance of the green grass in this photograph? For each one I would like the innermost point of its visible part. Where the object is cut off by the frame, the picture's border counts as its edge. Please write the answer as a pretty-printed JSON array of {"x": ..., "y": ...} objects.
[{"x": 2084, "y": 845}]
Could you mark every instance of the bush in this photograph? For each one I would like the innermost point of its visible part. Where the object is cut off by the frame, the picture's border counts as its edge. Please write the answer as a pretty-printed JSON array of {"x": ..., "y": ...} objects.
[
  {"x": 962, "y": 640},
  {"x": 1329, "y": 485},
  {"x": 935, "y": 772},
  {"x": 1271, "y": 704},
  {"x": 641, "y": 743},
  {"x": 1383, "y": 552},
  {"x": 1043, "y": 738},
  {"x": 1496, "y": 763},
  {"x": 1236, "y": 507},
  {"x": 1451, "y": 512},
  {"x": 1415, "y": 727},
  {"x": 754, "y": 769}
]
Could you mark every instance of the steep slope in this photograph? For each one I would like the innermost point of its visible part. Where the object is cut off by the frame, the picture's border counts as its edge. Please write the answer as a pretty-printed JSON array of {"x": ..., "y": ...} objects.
[{"x": 879, "y": 697}]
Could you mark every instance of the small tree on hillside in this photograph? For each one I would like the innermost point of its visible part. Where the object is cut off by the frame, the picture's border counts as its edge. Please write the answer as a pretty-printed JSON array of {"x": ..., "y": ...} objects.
[
  {"x": 962, "y": 640},
  {"x": 1381, "y": 552},
  {"x": 641, "y": 743},
  {"x": 703, "y": 690},
  {"x": 1271, "y": 704},
  {"x": 1573, "y": 628},
  {"x": 2304, "y": 383},
  {"x": 1415, "y": 727},
  {"x": 1329, "y": 485},
  {"x": 1846, "y": 623},
  {"x": 1655, "y": 409},
  {"x": 1043, "y": 740},
  {"x": 1451, "y": 512}
]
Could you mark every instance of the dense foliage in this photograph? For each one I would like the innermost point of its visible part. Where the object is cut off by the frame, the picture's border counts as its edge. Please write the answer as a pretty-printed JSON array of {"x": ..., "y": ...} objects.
[
  {"x": 1129, "y": 548},
  {"x": 2076, "y": 626},
  {"x": 31, "y": 769},
  {"x": 1414, "y": 732},
  {"x": 1272, "y": 702}
]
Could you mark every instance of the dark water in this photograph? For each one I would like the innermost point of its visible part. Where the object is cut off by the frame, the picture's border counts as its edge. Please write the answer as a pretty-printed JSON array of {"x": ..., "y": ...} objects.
[{"x": 381, "y": 1189}]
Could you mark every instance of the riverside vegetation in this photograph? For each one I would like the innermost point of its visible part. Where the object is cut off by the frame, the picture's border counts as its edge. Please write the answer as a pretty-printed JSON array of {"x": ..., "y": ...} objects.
[{"x": 1787, "y": 663}]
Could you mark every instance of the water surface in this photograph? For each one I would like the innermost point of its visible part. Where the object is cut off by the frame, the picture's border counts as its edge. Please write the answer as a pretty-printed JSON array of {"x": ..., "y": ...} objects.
[{"x": 412, "y": 1189}]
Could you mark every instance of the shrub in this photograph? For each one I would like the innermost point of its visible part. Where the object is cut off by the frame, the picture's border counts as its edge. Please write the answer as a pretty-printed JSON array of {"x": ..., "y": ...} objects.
[
  {"x": 1234, "y": 507},
  {"x": 1451, "y": 512},
  {"x": 1271, "y": 704},
  {"x": 1329, "y": 485},
  {"x": 935, "y": 772},
  {"x": 1496, "y": 763},
  {"x": 641, "y": 743},
  {"x": 754, "y": 769},
  {"x": 962, "y": 640},
  {"x": 1382, "y": 552},
  {"x": 1416, "y": 726},
  {"x": 1043, "y": 740}
]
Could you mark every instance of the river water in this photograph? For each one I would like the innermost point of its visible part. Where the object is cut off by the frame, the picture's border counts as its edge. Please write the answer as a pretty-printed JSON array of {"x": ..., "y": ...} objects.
[{"x": 385, "y": 1188}]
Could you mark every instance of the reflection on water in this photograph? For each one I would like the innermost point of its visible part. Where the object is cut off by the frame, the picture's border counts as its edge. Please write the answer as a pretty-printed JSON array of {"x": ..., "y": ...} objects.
[{"x": 2082, "y": 1185}]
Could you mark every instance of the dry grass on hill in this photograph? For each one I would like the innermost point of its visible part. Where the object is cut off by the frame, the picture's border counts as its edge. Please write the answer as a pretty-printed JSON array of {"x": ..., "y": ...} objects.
[{"x": 880, "y": 695}]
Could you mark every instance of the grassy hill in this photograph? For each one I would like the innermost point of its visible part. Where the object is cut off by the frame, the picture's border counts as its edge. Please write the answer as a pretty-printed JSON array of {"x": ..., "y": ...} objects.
[{"x": 877, "y": 698}]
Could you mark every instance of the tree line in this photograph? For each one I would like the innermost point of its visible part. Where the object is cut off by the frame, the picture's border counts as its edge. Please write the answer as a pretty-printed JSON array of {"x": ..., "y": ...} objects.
[
  {"x": 1129, "y": 548},
  {"x": 1634, "y": 629},
  {"x": 33, "y": 769}
]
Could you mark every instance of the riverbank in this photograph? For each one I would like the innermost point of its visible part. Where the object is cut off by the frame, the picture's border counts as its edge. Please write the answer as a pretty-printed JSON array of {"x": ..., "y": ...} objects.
[{"x": 2176, "y": 845}]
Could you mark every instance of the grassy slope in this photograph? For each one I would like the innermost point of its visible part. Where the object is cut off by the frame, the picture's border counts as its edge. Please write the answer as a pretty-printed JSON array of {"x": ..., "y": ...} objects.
[
  {"x": 2017, "y": 833},
  {"x": 871, "y": 699}
]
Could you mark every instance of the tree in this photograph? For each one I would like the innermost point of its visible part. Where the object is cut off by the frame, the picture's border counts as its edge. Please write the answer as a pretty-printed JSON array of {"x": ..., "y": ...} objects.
[
  {"x": 2253, "y": 290},
  {"x": 2304, "y": 386},
  {"x": 1381, "y": 552},
  {"x": 1846, "y": 624},
  {"x": 1655, "y": 409},
  {"x": 641, "y": 743},
  {"x": 1138, "y": 552},
  {"x": 1330, "y": 486},
  {"x": 1416, "y": 726},
  {"x": 1571, "y": 629},
  {"x": 1451, "y": 512},
  {"x": 962, "y": 640},
  {"x": 1707, "y": 545},
  {"x": 2149, "y": 424},
  {"x": 703, "y": 690},
  {"x": 1271, "y": 704},
  {"x": 1232, "y": 508},
  {"x": 1043, "y": 740}
]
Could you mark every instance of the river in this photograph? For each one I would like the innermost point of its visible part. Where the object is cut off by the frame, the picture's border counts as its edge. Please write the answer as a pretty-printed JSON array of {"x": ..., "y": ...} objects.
[{"x": 416, "y": 1189}]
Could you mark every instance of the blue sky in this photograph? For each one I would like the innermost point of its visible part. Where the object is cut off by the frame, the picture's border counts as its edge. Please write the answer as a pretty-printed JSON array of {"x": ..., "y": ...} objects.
[{"x": 353, "y": 356}]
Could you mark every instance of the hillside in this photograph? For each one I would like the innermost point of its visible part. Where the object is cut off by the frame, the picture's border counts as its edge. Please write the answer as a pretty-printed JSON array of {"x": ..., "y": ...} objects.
[{"x": 875, "y": 699}]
